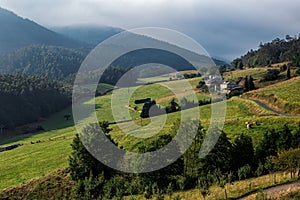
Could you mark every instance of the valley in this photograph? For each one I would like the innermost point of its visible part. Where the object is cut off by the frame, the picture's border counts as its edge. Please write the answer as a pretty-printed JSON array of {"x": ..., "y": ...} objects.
[
  {"x": 33, "y": 158},
  {"x": 243, "y": 116}
]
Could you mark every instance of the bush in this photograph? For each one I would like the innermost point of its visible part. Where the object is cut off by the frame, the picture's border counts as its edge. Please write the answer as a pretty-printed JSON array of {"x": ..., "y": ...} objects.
[
  {"x": 272, "y": 74},
  {"x": 283, "y": 68},
  {"x": 147, "y": 192},
  {"x": 169, "y": 189},
  {"x": 244, "y": 172},
  {"x": 186, "y": 182},
  {"x": 298, "y": 72}
]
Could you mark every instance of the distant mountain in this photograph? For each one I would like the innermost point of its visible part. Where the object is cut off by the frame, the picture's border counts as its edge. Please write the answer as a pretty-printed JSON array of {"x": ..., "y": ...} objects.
[
  {"x": 220, "y": 62},
  {"x": 88, "y": 34},
  {"x": 17, "y": 32},
  {"x": 31, "y": 49}
]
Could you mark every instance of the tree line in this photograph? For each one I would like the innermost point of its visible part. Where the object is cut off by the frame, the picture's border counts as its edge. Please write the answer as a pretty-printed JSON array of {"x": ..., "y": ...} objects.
[
  {"x": 150, "y": 108},
  {"x": 231, "y": 159},
  {"x": 276, "y": 51}
]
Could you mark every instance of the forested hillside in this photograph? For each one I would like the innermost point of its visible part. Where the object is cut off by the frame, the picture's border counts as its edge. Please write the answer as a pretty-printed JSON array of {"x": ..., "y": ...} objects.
[
  {"x": 276, "y": 51},
  {"x": 54, "y": 62},
  {"x": 26, "y": 99},
  {"x": 58, "y": 62}
]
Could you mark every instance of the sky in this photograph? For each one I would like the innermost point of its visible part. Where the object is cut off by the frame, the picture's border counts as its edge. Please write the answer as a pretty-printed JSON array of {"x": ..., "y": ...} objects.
[{"x": 227, "y": 29}]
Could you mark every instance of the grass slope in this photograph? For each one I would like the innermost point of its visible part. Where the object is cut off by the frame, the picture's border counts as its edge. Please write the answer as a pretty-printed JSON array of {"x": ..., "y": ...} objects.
[
  {"x": 283, "y": 96},
  {"x": 256, "y": 73},
  {"x": 50, "y": 150},
  {"x": 55, "y": 185},
  {"x": 39, "y": 155}
]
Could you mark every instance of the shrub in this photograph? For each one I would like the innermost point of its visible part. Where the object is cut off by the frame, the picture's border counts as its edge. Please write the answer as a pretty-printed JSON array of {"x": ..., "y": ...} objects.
[{"x": 272, "y": 74}]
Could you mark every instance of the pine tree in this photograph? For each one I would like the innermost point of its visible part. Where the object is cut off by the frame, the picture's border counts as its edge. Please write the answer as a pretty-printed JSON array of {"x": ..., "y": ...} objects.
[
  {"x": 81, "y": 163},
  {"x": 251, "y": 84},
  {"x": 246, "y": 84},
  {"x": 285, "y": 138},
  {"x": 288, "y": 73},
  {"x": 242, "y": 151}
]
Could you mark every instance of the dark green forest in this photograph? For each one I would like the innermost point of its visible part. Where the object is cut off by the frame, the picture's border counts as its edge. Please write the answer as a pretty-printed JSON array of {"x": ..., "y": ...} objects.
[
  {"x": 53, "y": 62},
  {"x": 58, "y": 62},
  {"x": 25, "y": 99},
  {"x": 276, "y": 51}
]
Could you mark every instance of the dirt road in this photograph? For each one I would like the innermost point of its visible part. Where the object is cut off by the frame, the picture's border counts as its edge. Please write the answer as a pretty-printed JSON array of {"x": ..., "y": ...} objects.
[{"x": 295, "y": 186}]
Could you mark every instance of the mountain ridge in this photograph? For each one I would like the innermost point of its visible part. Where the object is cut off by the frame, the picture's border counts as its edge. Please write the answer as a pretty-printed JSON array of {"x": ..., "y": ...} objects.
[
  {"x": 18, "y": 32},
  {"x": 89, "y": 35}
]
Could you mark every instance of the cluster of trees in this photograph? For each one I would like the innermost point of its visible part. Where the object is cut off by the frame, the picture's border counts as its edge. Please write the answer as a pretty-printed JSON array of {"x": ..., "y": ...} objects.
[
  {"x": 202, "y": 86},
  {"x": 278, "y": 140},
  {"x": 150, "y": 107},
  {"x": 249, "y": 84},
  {"x": 276, "y": 51},
  {"x": 272, "y": 74},
  {"x": 288, "y": 160},
  {"x": 26, "y": 99},
  {"x": 237, "y": 63},
  {"x": 114, "y": 73},
  {"x": 192, "y": 75},
  {"x": 230, "y": 159},
  {"x": 278, "y": 151}
]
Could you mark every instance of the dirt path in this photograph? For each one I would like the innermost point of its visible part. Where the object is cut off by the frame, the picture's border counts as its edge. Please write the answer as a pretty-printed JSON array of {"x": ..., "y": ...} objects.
[
  {"x": 282, "y": 187},
  {"x": 261, "y": 104},
  {"x": 276, "y": 189}
]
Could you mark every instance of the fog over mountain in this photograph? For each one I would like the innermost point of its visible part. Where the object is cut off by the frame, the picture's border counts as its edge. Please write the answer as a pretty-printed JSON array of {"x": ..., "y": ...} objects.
[
  {"x": 226, "y": 29},
  {"x": 17, "y": 32}
]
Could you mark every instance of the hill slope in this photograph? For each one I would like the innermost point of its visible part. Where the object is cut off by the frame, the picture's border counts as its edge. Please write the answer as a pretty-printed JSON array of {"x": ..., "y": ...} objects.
[
  {"x": 88, "y": 35},
  {"x": 16, "y": 32},
  {"x": 51, "y": 61},
  {"x": 276, "y": 51},
  {"x": 281, "y": 96},
  {"x": 51, "y": 149}
]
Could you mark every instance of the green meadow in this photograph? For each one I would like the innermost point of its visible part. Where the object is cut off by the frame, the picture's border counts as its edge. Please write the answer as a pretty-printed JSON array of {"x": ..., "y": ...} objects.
[{"x": 49, "y": 151}]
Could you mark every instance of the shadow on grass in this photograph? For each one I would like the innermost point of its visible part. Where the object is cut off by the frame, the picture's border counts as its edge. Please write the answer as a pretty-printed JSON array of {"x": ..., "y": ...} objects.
[{"x": 54, "y": 122}]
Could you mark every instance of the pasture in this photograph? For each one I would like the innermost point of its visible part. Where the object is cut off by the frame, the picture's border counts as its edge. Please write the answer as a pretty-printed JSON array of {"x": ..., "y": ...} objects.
[{"x": 49, "y": 151}]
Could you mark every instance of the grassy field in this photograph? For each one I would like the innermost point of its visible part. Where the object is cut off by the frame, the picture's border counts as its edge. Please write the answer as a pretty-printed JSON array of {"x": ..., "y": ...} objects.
[
  {"x": 256, "y": 73},
  {"x": 239, "y": 111},
  {"x": 153, "y": 79},
  {"x": 48, "y": 151},
  {"x": 283, "y": 96},
  {"x": 39, "y": 155},
  {"x": 165, "y": 77},
  {"x": 286, "y": 90}
]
